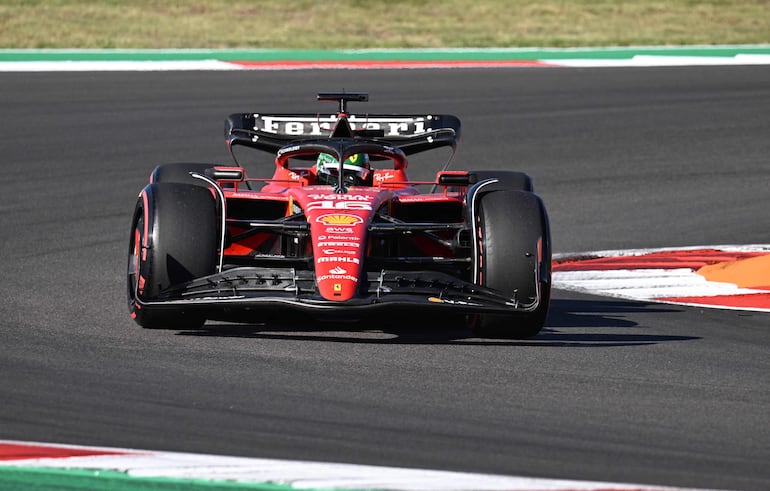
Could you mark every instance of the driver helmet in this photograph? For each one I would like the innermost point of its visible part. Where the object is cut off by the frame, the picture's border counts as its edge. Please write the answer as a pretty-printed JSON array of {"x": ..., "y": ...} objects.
[{"x": 355, "y": 170}]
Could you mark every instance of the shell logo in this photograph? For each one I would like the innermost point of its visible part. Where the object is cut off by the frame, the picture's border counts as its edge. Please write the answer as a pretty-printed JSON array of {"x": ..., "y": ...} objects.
[{"x": 339, "y": 219}]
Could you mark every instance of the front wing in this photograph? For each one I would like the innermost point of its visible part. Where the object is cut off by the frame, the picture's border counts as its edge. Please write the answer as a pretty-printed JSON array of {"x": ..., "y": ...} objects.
[{"x": 254, "y": 289}]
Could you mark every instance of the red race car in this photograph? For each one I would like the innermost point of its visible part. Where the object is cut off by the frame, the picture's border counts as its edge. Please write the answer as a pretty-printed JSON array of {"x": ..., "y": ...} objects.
[{"x": 339, "y": 230}]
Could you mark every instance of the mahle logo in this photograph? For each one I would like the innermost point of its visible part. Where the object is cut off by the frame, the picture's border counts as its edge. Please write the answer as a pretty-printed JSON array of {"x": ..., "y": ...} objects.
[{"x": 339, "y": 219}]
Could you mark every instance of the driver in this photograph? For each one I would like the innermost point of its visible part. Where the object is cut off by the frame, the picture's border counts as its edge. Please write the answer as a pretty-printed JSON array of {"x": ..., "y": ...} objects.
[{"x": 355, "y": 170}]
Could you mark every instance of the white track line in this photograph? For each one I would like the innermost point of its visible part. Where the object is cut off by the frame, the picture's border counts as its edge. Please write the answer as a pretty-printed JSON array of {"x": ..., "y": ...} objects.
[
  {"x": 305, "y": 475},
  {"x": 218, "y": 65},
  {"x": 653, "y": 284}
]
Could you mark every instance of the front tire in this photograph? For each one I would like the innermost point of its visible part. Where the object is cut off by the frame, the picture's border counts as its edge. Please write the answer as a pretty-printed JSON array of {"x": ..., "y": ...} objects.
[
  {"x": 180, "y": 172},
  {"x": 506, "y": 180},
  {"x": 513, "y": 256},
  {"x": 174, "y": 239}
]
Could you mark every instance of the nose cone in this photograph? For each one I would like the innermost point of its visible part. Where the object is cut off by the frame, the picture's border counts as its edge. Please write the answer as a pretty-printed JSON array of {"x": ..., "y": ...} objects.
[
  {"x": 338, "y": 225},
  {"x": 339, "y": 242}
]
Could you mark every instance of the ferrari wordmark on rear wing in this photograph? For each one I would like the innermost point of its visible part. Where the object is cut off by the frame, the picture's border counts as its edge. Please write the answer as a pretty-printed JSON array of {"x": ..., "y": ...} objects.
[
  {"x": 299, "y": 125},
  {"x": 411, "y": 133}
]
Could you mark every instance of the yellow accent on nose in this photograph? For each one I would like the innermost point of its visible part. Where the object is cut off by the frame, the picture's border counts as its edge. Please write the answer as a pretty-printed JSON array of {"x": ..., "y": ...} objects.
[{"x": 339, "y": 219}]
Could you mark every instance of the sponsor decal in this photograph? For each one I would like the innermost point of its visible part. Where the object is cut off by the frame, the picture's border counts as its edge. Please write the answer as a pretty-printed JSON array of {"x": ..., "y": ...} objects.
[
  {"x": 334, "y": 252},
  {"x": 348, "y": 277},
  {"x": 341, "y": 197},
  {"x": 341, "y": 230},
  {"x": 339, "y": 244},
  {"x": 451, "y": 302},
  {"x": 289, "y": 125},
  {"x": 338, "y": 273},
  {"x": 337, "y": 259},
  {"x": 337, "y": 205},
  {"x": 384, "y": 176},
  {"x": 293, "y": 148},
  {"x": 339, "y": 237},
  {"x": 339, "y": 219},
  {"x": 322, "y": 125}
]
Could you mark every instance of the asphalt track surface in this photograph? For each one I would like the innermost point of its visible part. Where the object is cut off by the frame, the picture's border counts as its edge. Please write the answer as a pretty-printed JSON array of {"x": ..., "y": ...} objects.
[{"x": 610, "y": 390}]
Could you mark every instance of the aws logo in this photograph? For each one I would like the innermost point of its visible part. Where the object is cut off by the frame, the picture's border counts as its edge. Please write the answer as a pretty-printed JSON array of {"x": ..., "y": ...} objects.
[{"x": 334, "y": 219}]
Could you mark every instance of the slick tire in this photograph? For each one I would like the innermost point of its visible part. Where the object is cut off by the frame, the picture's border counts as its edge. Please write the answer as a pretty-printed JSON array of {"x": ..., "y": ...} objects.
[
  {"x": 179, "y": 172},
  {"x": 513, "y": 256},
  {"x": 510, "y": 180},
  {"x": 174, "y": 239}
]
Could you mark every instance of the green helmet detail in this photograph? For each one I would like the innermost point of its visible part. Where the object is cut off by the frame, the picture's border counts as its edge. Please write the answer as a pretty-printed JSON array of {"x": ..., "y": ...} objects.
[{"x": 355, "y": 169}]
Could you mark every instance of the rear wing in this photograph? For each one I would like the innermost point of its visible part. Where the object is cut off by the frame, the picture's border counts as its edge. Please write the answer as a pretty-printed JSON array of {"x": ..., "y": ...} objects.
[{"x": 410, "y": 133}]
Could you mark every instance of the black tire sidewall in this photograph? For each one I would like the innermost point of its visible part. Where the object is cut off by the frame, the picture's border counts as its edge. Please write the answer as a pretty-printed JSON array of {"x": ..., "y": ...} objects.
[
  {"x": 513, "y": 255},
  {"x": 506, "y": 179},
  {"x": 182, "y": 238},
  {"x": 180, "y": 172}
]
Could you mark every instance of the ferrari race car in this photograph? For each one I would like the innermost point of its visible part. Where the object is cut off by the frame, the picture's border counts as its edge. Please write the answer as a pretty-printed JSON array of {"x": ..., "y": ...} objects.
[{"x": 339, "y": 230}]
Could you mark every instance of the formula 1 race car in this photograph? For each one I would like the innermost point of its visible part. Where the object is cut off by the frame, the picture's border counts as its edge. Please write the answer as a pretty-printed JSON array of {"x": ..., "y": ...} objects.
[{"x": 339, "y": 230}]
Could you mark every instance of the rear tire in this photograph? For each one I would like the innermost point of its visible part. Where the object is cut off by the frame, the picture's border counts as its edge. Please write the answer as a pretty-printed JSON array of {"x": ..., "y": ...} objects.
[
  {"x": 514, "y": 258},
  {"x": 174, "y": 239}
]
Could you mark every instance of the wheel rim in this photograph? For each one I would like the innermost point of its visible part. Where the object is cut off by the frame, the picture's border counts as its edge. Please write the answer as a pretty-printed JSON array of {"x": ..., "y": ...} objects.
[{"x": 134, "y": 258}]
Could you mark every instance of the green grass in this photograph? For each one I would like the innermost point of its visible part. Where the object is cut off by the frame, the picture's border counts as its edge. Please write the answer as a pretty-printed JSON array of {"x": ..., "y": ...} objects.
[
  {"x": 337, "y": 24},
  {"x": 54, "y": 479}
]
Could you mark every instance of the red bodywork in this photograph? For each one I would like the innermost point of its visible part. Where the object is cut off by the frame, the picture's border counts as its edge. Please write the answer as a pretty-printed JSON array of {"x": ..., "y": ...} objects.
[
  {"x": 338, "y": 221},
  {"x": 290, "y": 241}
]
